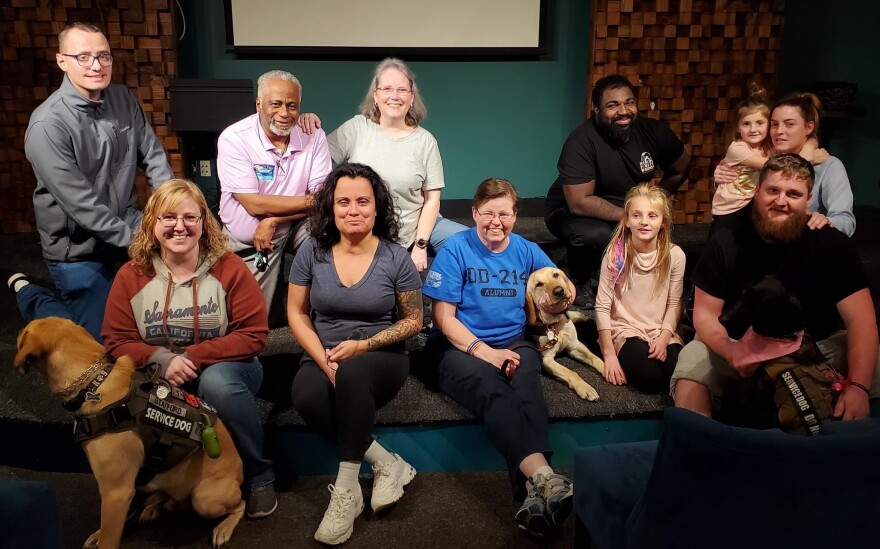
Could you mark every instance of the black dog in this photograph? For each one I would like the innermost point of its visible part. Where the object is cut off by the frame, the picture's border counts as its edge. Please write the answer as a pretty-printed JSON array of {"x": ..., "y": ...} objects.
[{"x": 801, "y": 382}]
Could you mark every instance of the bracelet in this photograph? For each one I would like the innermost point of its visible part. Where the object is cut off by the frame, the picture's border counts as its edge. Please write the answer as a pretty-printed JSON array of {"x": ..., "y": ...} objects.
[
  {"x": 473, "y": 346},
  {"x": 860, "y": 386}
]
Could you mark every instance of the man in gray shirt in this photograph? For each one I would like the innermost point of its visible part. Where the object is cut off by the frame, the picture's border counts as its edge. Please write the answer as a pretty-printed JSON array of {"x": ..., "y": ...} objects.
[{"x": 85, "y": 143}]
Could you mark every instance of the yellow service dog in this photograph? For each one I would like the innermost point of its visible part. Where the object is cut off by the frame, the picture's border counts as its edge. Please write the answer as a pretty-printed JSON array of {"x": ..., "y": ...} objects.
[
  {"x": 548, "y": 289},
  {"x": 65, "y": 353}
]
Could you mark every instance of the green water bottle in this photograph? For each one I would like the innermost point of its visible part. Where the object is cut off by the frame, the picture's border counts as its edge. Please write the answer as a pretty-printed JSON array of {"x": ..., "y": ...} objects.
[{"x": 210, "y": 442}]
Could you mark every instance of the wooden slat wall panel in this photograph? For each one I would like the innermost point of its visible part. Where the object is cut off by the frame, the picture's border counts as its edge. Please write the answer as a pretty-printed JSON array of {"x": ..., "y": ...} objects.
[
  {"x": 142, "y": 39},
  {"x": 694, "y": 58}
]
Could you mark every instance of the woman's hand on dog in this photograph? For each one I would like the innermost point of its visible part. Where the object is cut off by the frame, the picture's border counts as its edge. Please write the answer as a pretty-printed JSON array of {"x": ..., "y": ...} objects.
[
  {"x": 180, "y": 370},
  {"x": 613, "y": 372}
]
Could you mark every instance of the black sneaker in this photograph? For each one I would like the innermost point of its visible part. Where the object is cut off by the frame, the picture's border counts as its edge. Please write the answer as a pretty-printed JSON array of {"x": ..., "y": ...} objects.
[
  {"x": 261, "y": 501},
  {"x": 532, "y": 515},
  {"x": 583, "y": 298}
]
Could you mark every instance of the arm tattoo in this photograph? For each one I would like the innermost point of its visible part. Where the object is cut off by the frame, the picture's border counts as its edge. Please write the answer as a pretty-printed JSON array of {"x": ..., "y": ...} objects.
[{"x": 409, "y": 312}]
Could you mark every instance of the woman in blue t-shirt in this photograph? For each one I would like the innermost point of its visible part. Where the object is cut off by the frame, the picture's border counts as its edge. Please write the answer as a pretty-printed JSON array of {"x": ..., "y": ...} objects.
[
  {"x": 354, "y": 298},
  {"x": 478, "y": 284}
]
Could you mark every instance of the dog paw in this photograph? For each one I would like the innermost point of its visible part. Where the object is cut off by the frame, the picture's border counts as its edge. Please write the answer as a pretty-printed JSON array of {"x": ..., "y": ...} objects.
[
  {"x": 587, "y": 393},
  {"x": 92, "y": 542},
  {"x": 151, "y": 513},
  {"x": 222, "y": 534}
]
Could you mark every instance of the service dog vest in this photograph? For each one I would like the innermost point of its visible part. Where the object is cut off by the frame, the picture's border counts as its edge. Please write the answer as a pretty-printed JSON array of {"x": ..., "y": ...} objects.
[{"x": 169, "y": 421}]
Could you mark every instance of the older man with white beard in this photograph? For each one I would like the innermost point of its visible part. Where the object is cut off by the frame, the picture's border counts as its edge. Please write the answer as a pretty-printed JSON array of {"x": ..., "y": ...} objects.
[
  {"x": 820, "y": 267},
  {"x": 269, "y": 169}
]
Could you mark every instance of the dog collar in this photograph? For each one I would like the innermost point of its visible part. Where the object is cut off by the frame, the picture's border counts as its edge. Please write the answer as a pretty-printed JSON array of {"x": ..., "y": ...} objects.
[{"x": 90, "y": 391}]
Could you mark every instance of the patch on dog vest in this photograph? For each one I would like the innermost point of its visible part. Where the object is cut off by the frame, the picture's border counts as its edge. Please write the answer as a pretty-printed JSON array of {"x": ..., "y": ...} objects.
[{"x": 175, "y": 411}]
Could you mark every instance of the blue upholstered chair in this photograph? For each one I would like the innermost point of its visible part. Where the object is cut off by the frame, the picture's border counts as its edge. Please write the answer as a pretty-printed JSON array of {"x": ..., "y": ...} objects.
[
  {"x": 29, "y": 515},
  {"x": 707, "y": 485}
]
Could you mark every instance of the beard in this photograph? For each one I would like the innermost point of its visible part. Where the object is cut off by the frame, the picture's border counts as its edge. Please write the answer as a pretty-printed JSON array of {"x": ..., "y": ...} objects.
[
  {"x": 279, "y": 131},
  {"x": 615, "y": 133},
  {"x": 780, "y": 232}
]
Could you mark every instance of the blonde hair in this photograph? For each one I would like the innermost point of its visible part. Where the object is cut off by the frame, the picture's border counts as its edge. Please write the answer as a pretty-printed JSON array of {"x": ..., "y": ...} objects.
[
  {"x": 417, "y": 112},
  {"x": 144, "y": 246},
  {"x": 620, "y": 253}
]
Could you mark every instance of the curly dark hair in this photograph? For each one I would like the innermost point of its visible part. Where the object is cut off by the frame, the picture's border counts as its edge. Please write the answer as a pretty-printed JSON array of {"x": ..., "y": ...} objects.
[{"x": 322, "y": 226}]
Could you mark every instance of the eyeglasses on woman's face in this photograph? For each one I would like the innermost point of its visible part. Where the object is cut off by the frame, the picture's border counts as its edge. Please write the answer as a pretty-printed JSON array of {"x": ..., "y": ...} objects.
[
  {"x": 189, "y": 220},
  {"x": 389, "y": 91},
  {"x": 488, "y": 215}
]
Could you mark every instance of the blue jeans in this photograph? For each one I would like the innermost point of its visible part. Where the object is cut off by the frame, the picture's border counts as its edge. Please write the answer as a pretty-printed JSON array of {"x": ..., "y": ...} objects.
[
  {"x": 443, "y": 229},
  {"x": 82, "y": 286},
  {"x": 230, "y": 388}
]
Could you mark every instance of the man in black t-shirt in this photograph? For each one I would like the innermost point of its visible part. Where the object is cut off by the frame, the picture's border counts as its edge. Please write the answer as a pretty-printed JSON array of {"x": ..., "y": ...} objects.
[
  {"x": 821, "y": 268},
  {"x": 610, "y": 153}
]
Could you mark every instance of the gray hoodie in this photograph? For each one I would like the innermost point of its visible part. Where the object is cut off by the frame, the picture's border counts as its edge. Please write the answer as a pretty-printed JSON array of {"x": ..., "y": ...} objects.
[{"x": 85, "y": 154}]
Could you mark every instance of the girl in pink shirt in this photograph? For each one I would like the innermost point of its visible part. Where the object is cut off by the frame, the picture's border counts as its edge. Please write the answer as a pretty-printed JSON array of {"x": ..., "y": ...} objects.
[{"x": 639, "y": 299}]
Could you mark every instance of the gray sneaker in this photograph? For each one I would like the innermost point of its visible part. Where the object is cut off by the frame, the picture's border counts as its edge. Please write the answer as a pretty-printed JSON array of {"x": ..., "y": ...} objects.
[
  {"x": 557, "y": 491},
  {"x": 532, "y": 516},
  {"x": 261, "y": 501}
]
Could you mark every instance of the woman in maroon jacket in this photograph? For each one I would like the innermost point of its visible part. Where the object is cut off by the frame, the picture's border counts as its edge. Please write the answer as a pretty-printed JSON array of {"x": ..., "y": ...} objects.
[{"x": 187, "y": 303}]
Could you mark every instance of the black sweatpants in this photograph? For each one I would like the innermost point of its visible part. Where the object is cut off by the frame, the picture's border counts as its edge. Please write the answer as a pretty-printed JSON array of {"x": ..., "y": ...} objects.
[
  {"x": 648, "y": 375},
  {"x": 345, "y": 415},
  {"x": 585, "y": 238},
  {"x": 513, "y": 412}
]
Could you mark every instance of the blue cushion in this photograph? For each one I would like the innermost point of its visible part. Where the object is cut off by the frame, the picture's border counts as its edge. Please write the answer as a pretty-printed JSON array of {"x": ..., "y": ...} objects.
[
  {"x": 609, "y": 480},
  {"x": 719, "y": 486},
  {"x": 29, "y": 515}
]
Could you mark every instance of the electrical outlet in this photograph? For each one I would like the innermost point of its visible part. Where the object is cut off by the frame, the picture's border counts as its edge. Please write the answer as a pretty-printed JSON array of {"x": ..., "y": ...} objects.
[{"x": 204, "y": 168}]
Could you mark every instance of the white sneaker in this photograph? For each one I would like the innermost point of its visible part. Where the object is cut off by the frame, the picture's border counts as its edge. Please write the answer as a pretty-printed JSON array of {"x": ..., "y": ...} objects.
[
  {"x": 388, "y": 482},
  {"x": 338, "y": 522}
]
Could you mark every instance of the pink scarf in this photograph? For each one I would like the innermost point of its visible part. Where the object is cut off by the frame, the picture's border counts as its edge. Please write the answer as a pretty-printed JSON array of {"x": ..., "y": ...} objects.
[{"x": 753, "y": 348}]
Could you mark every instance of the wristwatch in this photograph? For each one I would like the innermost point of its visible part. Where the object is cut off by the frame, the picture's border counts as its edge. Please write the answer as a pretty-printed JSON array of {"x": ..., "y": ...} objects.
[{"x": 422, "y": 243}]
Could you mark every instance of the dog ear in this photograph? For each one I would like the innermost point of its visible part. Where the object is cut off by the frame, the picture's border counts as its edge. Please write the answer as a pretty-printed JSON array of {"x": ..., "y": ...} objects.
[
  {"x": 27, "y": 349},
  {"x": 531, "y": 314}
]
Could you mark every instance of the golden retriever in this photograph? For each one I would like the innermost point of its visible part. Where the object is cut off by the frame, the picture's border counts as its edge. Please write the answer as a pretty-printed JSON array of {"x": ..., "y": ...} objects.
[
  {"x": 555, "y": 332},
  {"x": 64, "y": 352}
]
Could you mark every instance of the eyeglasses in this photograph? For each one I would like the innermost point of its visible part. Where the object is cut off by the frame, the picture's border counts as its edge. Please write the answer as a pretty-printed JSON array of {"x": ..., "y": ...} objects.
[
  {"x": 86, "y": 60},
  {"x": 388, "y": 90},
  {"x": 188, "y": 220},
  {"x": 503, "y": 217}
]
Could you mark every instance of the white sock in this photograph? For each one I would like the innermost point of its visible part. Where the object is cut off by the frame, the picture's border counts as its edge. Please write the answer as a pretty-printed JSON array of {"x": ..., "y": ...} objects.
[
  {"x": 544, "y": 470},
  {"x": 20, "y": 283},
  {"x": 347, "y": 478},
  {"x": 376, "y": 453}
]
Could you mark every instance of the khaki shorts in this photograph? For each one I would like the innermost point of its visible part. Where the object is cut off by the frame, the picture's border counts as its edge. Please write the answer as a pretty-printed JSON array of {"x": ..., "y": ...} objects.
[{"x": 697, "y": 362}]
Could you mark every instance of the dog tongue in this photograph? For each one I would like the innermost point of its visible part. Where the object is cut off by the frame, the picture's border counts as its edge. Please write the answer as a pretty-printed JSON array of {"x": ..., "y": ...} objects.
[{"x": 550, "y": 306}]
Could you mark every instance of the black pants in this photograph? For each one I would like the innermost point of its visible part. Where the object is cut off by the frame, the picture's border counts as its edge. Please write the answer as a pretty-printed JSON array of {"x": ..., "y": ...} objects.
[
  {"x": 648, "y": 375},
  {"x": 345, "y": 415},
  {"x": 585, "y": 238},
  {"x": 731, "y": 220},
  {"x": 513, "y": 412}
]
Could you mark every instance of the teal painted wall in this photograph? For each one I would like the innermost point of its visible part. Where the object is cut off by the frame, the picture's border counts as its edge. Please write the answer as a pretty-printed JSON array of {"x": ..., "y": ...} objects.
[
  {"x": 492, "y": 119},
  {"x": 830, "y": 41}
]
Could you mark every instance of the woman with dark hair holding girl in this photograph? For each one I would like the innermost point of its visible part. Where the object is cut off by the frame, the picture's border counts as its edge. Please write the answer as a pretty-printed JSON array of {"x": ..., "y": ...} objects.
[
  {"x": 478, "y": 284},
  {"x": 353, "y": 300},
  {"x": 793, "y": 122}
]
